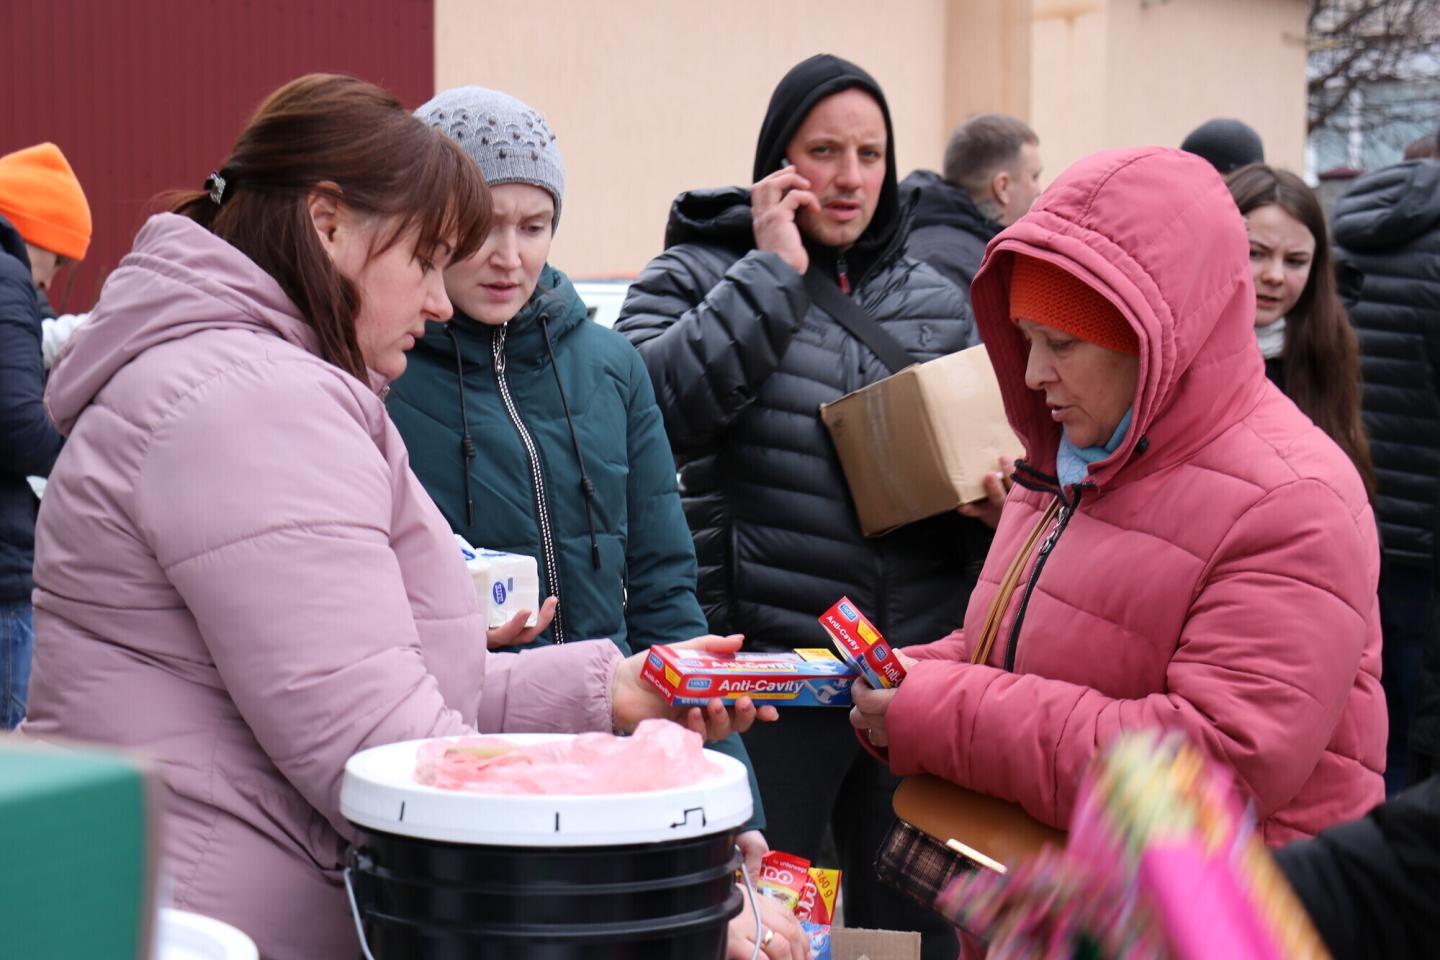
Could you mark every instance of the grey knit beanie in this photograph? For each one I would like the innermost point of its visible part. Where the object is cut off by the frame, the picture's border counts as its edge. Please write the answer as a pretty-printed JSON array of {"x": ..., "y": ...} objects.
[{"x": 508, "y": 139}]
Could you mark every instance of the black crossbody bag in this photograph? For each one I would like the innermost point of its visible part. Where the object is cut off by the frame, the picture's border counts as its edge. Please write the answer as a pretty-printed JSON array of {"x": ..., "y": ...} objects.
[{"x": 859, "y": 324}]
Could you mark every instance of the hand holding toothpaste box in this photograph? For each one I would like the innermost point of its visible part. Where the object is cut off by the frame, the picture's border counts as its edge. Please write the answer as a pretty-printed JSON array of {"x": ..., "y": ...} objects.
[
  {"x": 862, "y": 646},
  {"x": 687, "y": 676}
]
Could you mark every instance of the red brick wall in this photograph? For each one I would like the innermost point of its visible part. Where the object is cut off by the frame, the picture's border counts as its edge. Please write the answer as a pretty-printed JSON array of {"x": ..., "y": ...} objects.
[{"x": 145, "y": 96}]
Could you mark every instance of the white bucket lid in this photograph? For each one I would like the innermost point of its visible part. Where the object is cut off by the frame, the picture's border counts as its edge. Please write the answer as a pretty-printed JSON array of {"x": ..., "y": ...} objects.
[
  {"x": 182, "y": 935},
  {"x": 379, "y": 792}
]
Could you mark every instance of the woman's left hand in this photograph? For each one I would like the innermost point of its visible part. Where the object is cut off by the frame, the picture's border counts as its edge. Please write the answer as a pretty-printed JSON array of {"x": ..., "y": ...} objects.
[
  {"x": 753, "y": 847},
  {"x": 871, "y": 705},
  {"x": 633, "y": 699}
]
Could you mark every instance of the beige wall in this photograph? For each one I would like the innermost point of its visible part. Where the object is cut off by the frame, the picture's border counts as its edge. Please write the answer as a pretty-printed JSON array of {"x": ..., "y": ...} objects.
[
  {"x": 1118, "y": 73},
  {"x": 652, "y": 97},
  {"x": 648, "y": 98}
]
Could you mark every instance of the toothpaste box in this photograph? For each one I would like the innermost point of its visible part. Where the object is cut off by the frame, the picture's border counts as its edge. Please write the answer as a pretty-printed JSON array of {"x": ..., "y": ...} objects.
[
  {"x": 506, "y": 583},
  {"x": 796, "y": 678},
  {"x": 862, "y": 646}
]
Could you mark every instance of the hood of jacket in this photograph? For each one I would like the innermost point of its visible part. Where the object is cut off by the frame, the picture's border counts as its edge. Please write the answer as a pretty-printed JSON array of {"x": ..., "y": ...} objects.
[
  {"x": 178, "y": 280},
  {"x": 12, "y": 243},
  {"x": 939, "y": 203},
  {"x": 554, "y": 299},
  {"x": 1389, "y": 207},
  {"x": 723, "y": 216},
  {"x": 1156, "y": 232}
]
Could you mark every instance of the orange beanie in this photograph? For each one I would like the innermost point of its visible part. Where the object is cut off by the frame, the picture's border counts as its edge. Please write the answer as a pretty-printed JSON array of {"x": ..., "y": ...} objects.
[
  {"x": 1053, "y": 297},
  {"x": 41, "y": 197}
]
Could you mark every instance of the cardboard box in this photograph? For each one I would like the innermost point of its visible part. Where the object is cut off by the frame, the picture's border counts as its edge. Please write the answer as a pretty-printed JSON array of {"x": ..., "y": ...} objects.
[
  {"x": 854, "y": 943},
  {"x": 920, "y": 442},
  {"x": 798, "y": 678}
]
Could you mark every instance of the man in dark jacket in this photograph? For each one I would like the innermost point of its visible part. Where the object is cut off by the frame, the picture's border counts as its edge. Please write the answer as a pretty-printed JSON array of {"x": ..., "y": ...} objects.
[
  {"x": 44, "y": 221},
  {"x": 742, "y": 359},
  {"x": 1369, "y": 885},
  {"x": 1387, "y": 226},
  {"x": 991, "y": 177}
]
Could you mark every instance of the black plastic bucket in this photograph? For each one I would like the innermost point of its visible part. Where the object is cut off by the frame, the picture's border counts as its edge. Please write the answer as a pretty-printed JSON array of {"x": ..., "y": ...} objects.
[
  {"x": 657, "y": 901},
  {"x": 444, "y": 875}
]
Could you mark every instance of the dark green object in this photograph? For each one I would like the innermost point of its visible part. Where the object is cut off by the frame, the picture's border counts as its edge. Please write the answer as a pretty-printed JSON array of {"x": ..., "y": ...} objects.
[{"x": 75, "y": 850}]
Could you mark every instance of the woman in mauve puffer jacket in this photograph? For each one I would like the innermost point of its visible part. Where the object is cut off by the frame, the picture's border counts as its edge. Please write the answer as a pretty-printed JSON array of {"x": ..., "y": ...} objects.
[
  {"x": 1212, "y": 569},
  {"x": 236, "y": 571}
]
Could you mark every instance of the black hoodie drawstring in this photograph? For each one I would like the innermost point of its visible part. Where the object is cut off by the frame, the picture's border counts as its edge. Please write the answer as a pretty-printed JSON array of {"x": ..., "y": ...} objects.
[
  {"x": 586, "y": 486},
  {"x": 467, "y": 445}
]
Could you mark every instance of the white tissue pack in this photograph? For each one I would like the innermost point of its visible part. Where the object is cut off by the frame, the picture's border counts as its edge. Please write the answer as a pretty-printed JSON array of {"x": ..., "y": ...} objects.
[{"x": 506, "y": 583}]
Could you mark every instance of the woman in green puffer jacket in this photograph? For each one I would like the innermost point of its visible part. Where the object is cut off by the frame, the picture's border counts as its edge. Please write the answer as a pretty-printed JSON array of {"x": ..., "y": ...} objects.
[{"x": 535, "y": 429}]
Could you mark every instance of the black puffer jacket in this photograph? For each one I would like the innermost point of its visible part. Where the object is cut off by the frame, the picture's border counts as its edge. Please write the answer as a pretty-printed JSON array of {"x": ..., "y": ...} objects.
[
  {"x": 1370, "y": 884},
  {"x": 949, "y": 232},
  {"x": 28, "y": 441},
  {"x": 1387, "y": 226},
  {"x": 741, "y": 363}
]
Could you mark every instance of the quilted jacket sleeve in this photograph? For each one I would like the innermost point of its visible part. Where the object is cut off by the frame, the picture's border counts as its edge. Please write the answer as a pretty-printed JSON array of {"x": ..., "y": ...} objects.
[
  {"x": 710, "y": 340},
  {"x": 1370, "y": 884},
  {"x": 292, "y": 581},
  {"x": 1260, "y": 674},
  {"x": 659, "y": 554},
  {"x": 29, "y": 443}
]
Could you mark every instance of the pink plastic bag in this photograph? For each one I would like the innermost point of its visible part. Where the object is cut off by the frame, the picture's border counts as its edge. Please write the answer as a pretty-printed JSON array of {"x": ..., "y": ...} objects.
[{"x": 658, "y": 756}]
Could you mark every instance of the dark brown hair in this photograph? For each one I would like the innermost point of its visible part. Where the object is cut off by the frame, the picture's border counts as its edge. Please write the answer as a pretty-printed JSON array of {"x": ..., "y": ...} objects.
[
  {"x": 1322, "y": 354},
  {"x": 339, "y": 136}
]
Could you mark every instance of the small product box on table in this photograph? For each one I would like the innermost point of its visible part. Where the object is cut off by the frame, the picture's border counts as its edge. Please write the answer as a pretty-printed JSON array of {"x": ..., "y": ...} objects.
[{"x": 796, "y": 678}]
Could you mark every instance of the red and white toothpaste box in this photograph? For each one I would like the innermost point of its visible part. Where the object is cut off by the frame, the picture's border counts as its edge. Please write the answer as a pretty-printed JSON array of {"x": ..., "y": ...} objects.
[
  {"x": 795, "y": 678},
  {"x": 861, "y": 645}
]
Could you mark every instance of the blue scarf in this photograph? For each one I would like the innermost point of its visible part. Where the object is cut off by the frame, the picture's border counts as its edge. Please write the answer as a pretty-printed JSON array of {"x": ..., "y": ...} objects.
[{"x": 1072, "y": 462}]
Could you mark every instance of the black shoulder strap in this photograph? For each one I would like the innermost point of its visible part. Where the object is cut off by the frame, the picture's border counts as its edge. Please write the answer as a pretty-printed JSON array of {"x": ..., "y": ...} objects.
[{"x": 825, "y": 294}]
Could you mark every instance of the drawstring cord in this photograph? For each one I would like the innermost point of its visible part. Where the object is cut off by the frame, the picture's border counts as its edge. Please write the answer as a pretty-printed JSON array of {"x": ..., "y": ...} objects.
[
  {"x": 586, "y": 486},
  {"x": 467, "y": 445}
]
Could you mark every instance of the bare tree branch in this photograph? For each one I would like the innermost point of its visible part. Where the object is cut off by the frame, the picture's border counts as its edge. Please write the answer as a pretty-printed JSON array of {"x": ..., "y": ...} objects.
[{"x": 1360, "y": 45}]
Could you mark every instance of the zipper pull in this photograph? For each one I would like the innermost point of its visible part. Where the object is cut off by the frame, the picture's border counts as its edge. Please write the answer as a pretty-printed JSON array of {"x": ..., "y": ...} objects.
[
  {"x": 497, "y": 349},
  {"x": 1054, "y": 534},
  {"x": 842, "y": 275}
]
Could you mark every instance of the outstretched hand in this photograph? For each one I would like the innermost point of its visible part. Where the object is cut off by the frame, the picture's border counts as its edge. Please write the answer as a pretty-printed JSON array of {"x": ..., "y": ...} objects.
[
  {"x": 634, "y": 699},
  {"x": 514, "y": 633}
]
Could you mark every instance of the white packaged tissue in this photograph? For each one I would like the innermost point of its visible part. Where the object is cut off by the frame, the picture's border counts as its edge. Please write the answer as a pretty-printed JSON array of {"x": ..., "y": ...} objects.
[{"x": 506, "y": 583}]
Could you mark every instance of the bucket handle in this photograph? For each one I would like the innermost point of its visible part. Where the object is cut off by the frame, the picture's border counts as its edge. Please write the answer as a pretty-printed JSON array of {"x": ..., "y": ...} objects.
[
  {"x": 355, "y": 915},
  {"x": 749, "y": 889},
  {"x": 754, "y": 905}
]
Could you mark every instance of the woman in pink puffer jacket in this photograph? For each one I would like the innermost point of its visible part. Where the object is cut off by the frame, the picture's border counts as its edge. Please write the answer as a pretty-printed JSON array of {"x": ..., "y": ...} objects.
[
  {"x": 236, "y": 571},
  {"x": 1213, "y": 564}
]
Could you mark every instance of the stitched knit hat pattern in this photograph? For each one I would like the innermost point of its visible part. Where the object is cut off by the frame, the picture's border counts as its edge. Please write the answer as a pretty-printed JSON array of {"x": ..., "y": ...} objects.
[
  {"x": 1053, "y": 297},
  {"x": 510, "y": 141},
  {"x": 41, "y": 196}
]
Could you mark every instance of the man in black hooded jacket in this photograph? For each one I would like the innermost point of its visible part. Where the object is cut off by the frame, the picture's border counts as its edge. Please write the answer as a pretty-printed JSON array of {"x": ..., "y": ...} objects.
[{"x": 742, "y": 359}]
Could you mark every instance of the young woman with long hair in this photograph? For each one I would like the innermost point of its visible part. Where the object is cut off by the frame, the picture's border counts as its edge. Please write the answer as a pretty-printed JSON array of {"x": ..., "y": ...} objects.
[{"x": 1310, "y": 349}]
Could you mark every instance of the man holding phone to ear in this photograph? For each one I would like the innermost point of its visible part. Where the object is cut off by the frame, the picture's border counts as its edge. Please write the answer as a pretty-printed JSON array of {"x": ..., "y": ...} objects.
[{"x": 742, "y": 358}]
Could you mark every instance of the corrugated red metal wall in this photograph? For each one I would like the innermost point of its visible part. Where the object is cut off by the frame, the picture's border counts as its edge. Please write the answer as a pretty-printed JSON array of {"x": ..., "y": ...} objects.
[{"x": 145, "y": 96}]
